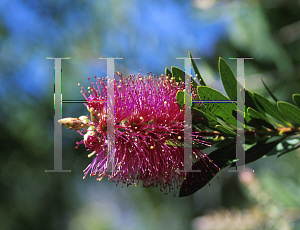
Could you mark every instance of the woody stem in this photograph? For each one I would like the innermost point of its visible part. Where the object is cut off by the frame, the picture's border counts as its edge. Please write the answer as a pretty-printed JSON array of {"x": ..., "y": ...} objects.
[{"x": 277, "y": 132}]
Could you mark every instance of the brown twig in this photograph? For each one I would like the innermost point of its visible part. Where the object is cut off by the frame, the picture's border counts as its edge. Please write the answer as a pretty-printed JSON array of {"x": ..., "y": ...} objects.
[{"x": 252, "y": 132}]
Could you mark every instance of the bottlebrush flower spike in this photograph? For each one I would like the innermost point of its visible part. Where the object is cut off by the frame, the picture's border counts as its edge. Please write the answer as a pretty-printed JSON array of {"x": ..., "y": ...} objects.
[{"x": 149, "y": 133}]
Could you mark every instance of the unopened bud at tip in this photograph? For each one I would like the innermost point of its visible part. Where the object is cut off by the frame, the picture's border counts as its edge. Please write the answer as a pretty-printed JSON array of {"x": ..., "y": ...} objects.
[{"x": 74, "y": 123}]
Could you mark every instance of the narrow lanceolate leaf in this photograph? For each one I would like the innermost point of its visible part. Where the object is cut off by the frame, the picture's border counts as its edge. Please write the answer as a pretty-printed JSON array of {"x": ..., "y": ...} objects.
[
  {"x": 250, "y": 121},
  {"x": 292, "y": 112},
  {"x": 179, "y": 75},
  {"x": 225, "y": 110},
  {"x": 288, "y": 146},
  {"x": 269, "y": 108},
  {"x": 259, "y": 118},
  {"x": 168, "y": 72},
  {"x": 259, "y": 150},
  {"x": 196, "y": 180},
  {"x": 199, "y": 116},
  {"x": 284, "y": 146},
  {"x": 197, "y": 72},
  {"x": 206, "y": 119},
  {"x": 269, "y": 91},
  {"x": 251, "y": 102},
  {"x": 180, "y": 97},
  {"x": 228, "y": 79},
  {"x": 225, "y": 130},
  {"x": 224, "y": 156},
  {"x": 296, "y": 98}
]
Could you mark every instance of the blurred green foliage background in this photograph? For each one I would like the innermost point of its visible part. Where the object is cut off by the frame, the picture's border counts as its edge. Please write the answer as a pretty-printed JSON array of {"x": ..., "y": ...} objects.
[{"x": 149, "y": 35}]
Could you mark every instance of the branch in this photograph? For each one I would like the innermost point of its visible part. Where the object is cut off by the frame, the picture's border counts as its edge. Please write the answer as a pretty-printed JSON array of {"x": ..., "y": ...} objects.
[{"x": 251, "y": 132}]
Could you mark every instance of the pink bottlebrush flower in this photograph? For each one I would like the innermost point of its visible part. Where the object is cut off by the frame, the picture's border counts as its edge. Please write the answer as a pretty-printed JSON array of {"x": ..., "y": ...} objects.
[{"x": 149, "y": 132}]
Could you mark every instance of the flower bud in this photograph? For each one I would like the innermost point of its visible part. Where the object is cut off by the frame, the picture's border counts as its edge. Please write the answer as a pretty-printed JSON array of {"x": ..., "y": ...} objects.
[{"x": 75, "y": 123}]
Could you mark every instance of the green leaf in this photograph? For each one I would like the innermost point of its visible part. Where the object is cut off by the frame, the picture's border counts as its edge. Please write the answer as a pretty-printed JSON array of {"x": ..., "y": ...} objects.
[
  {"x": 222, "y": 157},
  {"x": 228, "y": 79},
  {"x": 284, "y": 145},
  {"x": 173, "y": 143},
  {"x": 195, "y": 104},
  {"x": 225, "y": 130},
  {"x": 250, "y": 102},
  {"x": 269, "y": 108},
  {"x": 206, "y": 119},
  {"x": 271, "y": 94},
  {"x": 296, "y": 98},
  {"x": 168, "y": 72},
  {"x": 198, "y": 115},
  {"x": 228, "y": 142},
  {"x": 225, "y": 155},
  {"x": 196, "y": 180},
  {"x": 292, "y": 112},
  {"x": 179, "y": 75},
  {"x": 260, "y": 149},
  {"x": 288, "y": 146},
  {"x": 259, "y": 118},
  {"x": 249, "y": 121},
  {"x": 197, "y": 71},
  {"x": 225, "y": 111},
  {"x": 180, "y": 97}
]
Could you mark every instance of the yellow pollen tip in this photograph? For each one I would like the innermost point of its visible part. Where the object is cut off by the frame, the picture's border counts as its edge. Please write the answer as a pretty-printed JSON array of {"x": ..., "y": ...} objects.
[
  {"x": 91, "y": 154},
  {"x": 179, "y": 137},
  {"x": 151, "y": 147},
  {"x": 141, "y": 118}
]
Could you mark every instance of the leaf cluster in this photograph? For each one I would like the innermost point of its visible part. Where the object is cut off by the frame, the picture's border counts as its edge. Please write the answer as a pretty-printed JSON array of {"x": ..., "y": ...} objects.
[{"x": 270, "y": 127}]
